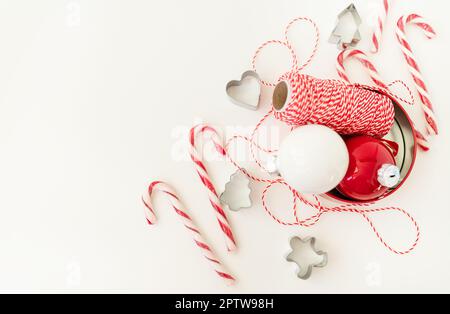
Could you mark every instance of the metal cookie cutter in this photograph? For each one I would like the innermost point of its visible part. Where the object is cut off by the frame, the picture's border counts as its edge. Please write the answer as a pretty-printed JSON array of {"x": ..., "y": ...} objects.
[
  {"x": 245, "y": 97},
  {"x": 339, "y": 36},
  {"x": 306, "y": 272},
  {"x": 237, "y": 192}
]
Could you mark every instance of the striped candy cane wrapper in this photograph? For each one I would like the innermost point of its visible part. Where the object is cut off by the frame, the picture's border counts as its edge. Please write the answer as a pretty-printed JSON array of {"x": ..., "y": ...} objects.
[
  {"x": 376, "y": 79},
  {"x": 417, "y": 20},
  {"x": 206, "y": 180},
  {"x": 379, "y": 28},
  {"x": 189, "y": 224}
]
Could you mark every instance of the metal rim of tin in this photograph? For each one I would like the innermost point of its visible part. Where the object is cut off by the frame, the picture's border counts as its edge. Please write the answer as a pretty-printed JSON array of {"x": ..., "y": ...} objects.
[{"x": 406, "y": 128}]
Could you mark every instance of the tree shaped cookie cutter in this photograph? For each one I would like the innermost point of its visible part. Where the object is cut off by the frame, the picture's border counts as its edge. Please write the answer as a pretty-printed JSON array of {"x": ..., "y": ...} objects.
[
  {"x": 302, "y": 272},
  {"x": 338, "y": 35},
  {"x": 237, "y": 192}
]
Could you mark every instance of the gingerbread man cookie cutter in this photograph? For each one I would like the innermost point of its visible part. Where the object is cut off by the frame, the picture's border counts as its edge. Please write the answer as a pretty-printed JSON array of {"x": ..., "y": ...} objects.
[{"x": 305, "y": 273}]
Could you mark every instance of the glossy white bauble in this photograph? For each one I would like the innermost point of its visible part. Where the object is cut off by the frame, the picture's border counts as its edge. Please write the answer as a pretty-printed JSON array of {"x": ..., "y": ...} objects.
[{"x": 313, "y": 159}]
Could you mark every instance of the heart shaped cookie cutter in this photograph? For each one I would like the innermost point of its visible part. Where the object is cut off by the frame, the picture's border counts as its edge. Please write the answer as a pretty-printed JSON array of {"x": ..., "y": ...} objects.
[{"x": 253, "y": 102}]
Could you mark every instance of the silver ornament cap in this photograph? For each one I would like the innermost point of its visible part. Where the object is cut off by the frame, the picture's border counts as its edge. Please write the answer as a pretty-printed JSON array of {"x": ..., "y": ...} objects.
[{"x": 389, "y": 175}]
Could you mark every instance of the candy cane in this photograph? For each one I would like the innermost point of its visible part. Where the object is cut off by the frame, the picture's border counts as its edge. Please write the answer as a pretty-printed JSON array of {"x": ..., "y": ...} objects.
[
  {"x": 361, "y": 57},
  {"x": 375, "y": 77},
  {"x": 427, "y": 106},
  {"x": 205, "y": 178},
  {"x": 378, "y": 31},
  {"x": 188, "y": 223}
]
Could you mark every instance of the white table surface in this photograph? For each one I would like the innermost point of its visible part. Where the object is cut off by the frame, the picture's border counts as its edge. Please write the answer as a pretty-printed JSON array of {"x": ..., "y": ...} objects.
[{"x": 95, "y": 98}]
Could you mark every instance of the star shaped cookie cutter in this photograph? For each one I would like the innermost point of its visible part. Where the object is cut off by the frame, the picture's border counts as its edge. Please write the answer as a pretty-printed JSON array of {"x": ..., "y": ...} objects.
[{"x": 302, "y": 272}]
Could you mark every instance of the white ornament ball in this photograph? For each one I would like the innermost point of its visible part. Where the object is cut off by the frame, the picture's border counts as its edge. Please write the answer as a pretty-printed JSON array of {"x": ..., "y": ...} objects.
[{"x": 313, "y": 159}]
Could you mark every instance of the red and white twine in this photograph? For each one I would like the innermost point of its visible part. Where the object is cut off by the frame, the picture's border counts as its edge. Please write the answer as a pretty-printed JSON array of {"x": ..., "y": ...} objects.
[
  {"x": 187, "y": 221},
  {"x": 417, "y": 20},
  {"x": 287, "y": 43},
  {"x": 346, "y": 208},
  {"x": 347, "y": 109}
]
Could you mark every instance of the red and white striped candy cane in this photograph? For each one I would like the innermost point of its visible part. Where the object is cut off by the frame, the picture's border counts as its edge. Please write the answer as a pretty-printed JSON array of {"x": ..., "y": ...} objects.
[
  {"x": 378, "y": 31},
  {"x": 188, "y": 223},
  {"x": 205, "y": 178},
  {"x": 376, "y": 79},
  {"x": 417, "y": 20},
  {"x": 362, "y": 58}
]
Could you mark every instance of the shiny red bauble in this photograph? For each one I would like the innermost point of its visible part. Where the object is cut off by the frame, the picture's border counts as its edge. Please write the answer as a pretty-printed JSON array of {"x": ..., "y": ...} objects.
[{"x": 367, "y": 156}]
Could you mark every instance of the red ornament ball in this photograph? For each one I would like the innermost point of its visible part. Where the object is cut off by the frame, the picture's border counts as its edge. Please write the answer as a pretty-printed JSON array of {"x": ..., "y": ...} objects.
[{"x": 372, "y": 169}]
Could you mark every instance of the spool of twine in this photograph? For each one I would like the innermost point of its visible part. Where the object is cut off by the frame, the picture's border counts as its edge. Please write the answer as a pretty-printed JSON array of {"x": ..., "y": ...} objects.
[{"x": 300, "y": 99}]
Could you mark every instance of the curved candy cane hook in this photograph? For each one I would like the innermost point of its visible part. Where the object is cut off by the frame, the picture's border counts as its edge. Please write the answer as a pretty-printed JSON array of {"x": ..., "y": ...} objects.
[{"x": 182, "y": 213}]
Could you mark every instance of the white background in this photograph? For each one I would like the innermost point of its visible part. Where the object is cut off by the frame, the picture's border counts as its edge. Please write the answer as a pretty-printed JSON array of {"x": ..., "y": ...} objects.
[{"x": 94, "y": 96}]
